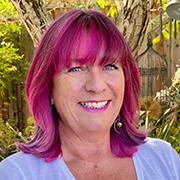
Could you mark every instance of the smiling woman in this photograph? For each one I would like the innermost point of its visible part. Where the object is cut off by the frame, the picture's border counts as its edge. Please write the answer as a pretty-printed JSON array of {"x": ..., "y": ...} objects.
[
  {"x": 82, "y": 88},
  {"x": 85, "y": 39}
]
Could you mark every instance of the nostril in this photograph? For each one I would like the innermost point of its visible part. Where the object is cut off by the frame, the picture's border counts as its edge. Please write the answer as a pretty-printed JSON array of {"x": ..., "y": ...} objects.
[{"x": 95, "y": 85}]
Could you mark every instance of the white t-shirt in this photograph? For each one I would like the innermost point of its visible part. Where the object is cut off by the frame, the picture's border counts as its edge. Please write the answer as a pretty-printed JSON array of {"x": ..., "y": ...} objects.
[{"x": 154, "y": 160}]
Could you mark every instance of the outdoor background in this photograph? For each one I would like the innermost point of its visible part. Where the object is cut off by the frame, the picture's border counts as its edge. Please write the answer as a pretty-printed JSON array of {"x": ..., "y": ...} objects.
[{"x": 152, "y": 35}]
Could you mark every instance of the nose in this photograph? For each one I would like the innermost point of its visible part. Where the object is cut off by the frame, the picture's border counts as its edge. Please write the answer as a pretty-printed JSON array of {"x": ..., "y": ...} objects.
[{"x": 95, "y": 82}]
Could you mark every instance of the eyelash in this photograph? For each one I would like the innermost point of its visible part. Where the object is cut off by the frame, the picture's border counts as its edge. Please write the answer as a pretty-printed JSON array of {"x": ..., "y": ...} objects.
[
  {"x": 74, "y": 69},
  {"x": 106, "y": 67},
  {"x": 112, "y": 67}
]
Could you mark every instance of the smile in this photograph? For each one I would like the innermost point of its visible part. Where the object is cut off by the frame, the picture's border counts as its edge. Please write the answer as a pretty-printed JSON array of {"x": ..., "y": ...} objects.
[{"x": 95, "y": 105}]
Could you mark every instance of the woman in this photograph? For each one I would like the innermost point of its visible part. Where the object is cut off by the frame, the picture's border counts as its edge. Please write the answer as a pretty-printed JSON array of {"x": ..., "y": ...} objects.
[{"x": 82, "y": 88}]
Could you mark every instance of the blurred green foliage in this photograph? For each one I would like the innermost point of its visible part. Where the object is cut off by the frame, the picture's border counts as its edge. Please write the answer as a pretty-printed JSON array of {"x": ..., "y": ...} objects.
[
  {"x": 9, "y": 134},
  {"x": 13, "y": 66},
  {"x": 7, "y": 10}
]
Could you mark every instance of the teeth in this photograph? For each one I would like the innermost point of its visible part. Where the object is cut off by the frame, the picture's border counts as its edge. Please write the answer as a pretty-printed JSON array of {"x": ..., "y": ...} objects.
[{"x": 94, "y": 104}]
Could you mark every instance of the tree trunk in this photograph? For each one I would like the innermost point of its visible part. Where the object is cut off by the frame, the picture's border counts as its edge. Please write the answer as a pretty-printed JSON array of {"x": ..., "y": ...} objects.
[
  {"x": 34, "y": 16},
  {"x": 133, "y": 20},
  {"x": 136, "y": 19}
]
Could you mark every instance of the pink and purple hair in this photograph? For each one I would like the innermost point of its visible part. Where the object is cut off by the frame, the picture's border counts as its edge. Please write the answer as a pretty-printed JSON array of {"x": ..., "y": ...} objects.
[{"x": 57, "y": 49}]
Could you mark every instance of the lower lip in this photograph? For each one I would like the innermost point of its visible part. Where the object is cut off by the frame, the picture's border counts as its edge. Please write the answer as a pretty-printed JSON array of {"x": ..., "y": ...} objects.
[{"x": 94, "y": 110}]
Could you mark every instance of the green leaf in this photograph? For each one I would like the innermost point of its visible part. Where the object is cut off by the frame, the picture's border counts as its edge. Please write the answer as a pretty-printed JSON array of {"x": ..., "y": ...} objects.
[
  {"x": 113, "y": 11},
  {"x": 101, "y": 3},
  {"x": 156, "y": 40},
  {"x": 165, "y": 34}
]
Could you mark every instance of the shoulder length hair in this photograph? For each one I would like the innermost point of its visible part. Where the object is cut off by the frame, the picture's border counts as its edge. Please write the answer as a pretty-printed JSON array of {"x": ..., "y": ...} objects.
[{"x": 54, "y": 52}]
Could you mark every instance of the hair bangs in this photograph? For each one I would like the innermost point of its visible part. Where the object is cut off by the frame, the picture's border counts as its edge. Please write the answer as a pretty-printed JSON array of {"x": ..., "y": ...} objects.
[{"x": 88, "y": 40}]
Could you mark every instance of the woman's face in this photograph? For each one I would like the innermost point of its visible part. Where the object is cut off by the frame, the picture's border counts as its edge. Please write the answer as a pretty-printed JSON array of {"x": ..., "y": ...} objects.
[{"x": 89, "y": 98}]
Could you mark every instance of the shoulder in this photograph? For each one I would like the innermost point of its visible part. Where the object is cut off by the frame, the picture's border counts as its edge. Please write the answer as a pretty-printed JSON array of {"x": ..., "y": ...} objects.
[
  {"x": 28, "y": 167},
  {"x": 18, "y": 166},
  {"x": 19, "y": 156},
  {"x": 158, "y": 149},
  {"x": 157, "y": 157},
  {"x": 154, "y": 144},
  {"x": 21, "y": 159}
]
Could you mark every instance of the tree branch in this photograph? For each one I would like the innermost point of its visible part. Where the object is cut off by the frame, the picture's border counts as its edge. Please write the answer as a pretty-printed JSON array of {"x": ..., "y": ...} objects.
[{"x": 34, "y": 16}]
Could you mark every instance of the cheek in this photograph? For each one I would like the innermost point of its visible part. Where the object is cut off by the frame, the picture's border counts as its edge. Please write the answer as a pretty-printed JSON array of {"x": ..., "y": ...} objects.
[
  {"x": 62, "y": 94},
  {"x": 66, "y": 88},
  {"x": 117, "y": 84},
  {"x": 119, "y": 90},
  {"x": 118, "y": 87}
]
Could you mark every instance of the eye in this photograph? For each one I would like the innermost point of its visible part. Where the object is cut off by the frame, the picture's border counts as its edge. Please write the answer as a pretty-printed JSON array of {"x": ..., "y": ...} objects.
[
  {"x": 77, "y": 69},
  {"x": 110, "y": 67}
]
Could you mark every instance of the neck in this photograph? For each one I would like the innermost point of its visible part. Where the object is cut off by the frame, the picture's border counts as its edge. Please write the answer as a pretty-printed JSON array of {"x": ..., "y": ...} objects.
[{"x": 85, "y": 146}]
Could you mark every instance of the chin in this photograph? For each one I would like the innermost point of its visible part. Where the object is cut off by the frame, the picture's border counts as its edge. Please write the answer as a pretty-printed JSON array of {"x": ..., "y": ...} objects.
[{"x": 97, "y": 128}]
